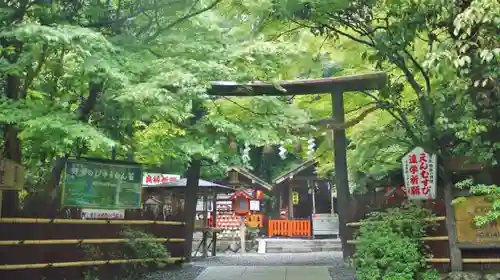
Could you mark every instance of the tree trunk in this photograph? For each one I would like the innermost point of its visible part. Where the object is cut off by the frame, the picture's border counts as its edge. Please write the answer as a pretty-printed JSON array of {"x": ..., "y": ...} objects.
[
  {"x": 451, "y": 227},
  {"x": 83, "y": 114},
  {"x": 190, "y": 199},
  {"x": 11, "y": 149}
]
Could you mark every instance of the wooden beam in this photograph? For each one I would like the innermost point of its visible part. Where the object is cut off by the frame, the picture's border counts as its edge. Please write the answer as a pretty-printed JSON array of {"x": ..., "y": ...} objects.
[{"x": 341, "y": 84}]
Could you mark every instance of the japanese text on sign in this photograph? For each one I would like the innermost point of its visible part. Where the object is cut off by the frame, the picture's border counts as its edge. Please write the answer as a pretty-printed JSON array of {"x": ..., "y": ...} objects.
[
  {"x": 101, "y": 185},
  {"x": 102, "y": 214},
  {"x": 151, "y": 179},
  {"x": 116, "y": 173},
  {"x": 420, "y": 174}
]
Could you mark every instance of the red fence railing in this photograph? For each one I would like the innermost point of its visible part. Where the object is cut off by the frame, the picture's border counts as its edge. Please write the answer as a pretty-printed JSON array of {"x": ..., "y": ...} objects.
[{"x": 289, "y": 228}]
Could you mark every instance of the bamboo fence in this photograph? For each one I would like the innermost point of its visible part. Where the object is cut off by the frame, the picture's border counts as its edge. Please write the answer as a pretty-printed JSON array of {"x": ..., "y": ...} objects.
[
  {"x": 85, "y": 241},
  {"x": 434, "y": 238},
  {"x": 90, "y": 222},
  {"x": 84, "y": 263}
]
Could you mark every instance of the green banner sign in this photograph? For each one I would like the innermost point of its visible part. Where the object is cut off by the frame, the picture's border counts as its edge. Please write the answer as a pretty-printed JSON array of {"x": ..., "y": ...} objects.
[{"x": 99, "y": 185}]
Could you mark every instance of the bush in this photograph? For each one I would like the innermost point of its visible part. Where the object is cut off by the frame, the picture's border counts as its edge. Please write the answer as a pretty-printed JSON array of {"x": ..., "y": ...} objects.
[
  {"x": 144, "y": 249},
  {"x": 136, "y": 248},
  {"x": 389, "y": 247}
]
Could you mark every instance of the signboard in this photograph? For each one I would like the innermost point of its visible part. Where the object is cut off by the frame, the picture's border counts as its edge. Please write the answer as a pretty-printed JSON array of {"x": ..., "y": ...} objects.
[
  {"x": 11, "y": 175},
  {"x": 224, "y": 206},
  {"x": 254, "y": 205},
  {"x": 295, "y": 198},
  {"x": 325, "y": 224},
  {"x": 420, "y": 174},
  {"x": 467, "y": 231},
  {"x": 250, "y": 192},
  {"x": 103, "y": 214},
  {"x": 200, "y": 205},
  {"x": 98, "y": 185},
  {"x": 152, "y": 179}
]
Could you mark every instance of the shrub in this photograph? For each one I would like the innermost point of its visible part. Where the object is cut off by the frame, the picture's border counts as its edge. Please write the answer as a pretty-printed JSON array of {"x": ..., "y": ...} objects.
[{"x": 389, "y": 247}]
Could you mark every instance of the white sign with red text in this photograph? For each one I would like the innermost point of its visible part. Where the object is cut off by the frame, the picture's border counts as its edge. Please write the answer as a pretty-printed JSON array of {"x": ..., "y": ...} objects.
[
  {"x": 152, "y": 179},
  {"x": 420, "y": 174},
  {"x": 94, "y": 214}
]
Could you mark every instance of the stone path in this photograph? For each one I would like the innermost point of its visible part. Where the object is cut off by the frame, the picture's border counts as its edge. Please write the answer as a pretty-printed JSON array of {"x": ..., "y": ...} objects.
[
  {"x": 284, "y": 266},
  {"x": 264, "y": 273}
]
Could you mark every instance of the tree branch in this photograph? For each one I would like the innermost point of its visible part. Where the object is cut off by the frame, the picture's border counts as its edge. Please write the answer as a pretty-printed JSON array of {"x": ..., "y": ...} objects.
[
  {"x": 182, "y": 19},
  {"x": 243, "y": 107},
  {"x": 402, "y": 119},
  {"x": 284, "y": 33},
  {"x": 32, "y": 73},
  {"x": 422, "y": 71}
]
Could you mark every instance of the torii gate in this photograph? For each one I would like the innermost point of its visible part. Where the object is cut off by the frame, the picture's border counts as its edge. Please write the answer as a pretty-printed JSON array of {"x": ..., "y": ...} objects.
[{"x": 336, "y": 86}]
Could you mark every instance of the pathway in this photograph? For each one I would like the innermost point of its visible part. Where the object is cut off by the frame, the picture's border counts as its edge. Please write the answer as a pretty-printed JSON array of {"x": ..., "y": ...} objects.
[
  {"x": 264, "y": 273},
  {"x": 283, "y": 266}
]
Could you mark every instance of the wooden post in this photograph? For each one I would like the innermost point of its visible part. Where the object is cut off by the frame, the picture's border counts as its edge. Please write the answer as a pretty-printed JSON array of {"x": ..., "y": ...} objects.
[
  {"x": 1, "y": 199},
  {"x": 313, "y": 196},
  {"x": 242, "y": 235},
  {"x": 190, "y": 199},
  {"x": 214, "y": 225},
  {"x": 341, "y": 179},
  {"x": 451, "y": 226},
  {"x": 205, "y": 225}
]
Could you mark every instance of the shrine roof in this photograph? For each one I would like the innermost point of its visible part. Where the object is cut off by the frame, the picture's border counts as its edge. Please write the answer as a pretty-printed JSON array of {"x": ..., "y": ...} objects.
[
  {"x": 294, "y": 171},
  {"x": 254, "y": 179}
]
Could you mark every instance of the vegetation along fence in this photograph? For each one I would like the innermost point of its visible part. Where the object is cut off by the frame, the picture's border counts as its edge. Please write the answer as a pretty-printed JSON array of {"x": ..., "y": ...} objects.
[
  {"x": 436, "y": 239},
  {"x": 39, "y": 248}
]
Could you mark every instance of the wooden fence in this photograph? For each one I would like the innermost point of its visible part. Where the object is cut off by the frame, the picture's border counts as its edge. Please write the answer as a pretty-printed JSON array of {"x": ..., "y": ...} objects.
[
  {"x": 40, "y": 248},
  {"x": 289, "y": 228},
  {"x": 436, "y": 238}
]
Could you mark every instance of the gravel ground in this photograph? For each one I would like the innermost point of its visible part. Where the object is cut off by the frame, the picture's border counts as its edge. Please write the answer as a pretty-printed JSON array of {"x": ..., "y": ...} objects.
[
  {"x": 186, "y": 272},
  {"x": 333, "y": 260}
]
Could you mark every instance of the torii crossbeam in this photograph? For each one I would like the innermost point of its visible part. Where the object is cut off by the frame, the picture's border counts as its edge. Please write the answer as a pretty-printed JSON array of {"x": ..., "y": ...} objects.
[{"x": 336, "y": 86}]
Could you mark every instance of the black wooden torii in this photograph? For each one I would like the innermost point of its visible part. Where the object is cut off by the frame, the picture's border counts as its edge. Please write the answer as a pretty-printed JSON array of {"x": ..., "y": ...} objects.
[{"x": 336, "y": 86}]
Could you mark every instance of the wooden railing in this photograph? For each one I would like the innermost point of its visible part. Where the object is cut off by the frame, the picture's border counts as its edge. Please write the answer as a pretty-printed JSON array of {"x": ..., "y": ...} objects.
[{"x": 289, "y": 228}]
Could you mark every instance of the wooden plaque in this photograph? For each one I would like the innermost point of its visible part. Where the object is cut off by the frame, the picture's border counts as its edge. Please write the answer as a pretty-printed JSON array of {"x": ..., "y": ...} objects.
[
  {"x": 11, "y": 175},
  {"x": 467, "y": 231}
]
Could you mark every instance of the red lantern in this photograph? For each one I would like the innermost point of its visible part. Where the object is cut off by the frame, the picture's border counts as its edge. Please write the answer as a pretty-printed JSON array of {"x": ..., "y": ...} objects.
[
  {"x": 241, "y": 203},
  {"x": 258, "y": 195}
]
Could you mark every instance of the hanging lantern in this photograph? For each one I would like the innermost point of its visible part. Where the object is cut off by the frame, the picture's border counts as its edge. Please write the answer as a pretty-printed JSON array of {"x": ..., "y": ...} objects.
[
  {"x": 233, "y": 145},
  {"x": 298, "y": 148},
  {"x": 268, "y": 149},
  {"x": 233, "y": 177}
]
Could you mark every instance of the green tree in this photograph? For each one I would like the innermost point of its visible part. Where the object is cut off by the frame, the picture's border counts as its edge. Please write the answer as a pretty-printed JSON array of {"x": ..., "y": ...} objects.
[
  {"x": 435, "y": 52},
  {"x": 83, "y": 78}
]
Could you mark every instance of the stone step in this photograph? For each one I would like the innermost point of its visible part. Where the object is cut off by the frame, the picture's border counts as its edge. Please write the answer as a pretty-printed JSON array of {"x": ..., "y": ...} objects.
[{"x": 302, "y": 245}]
